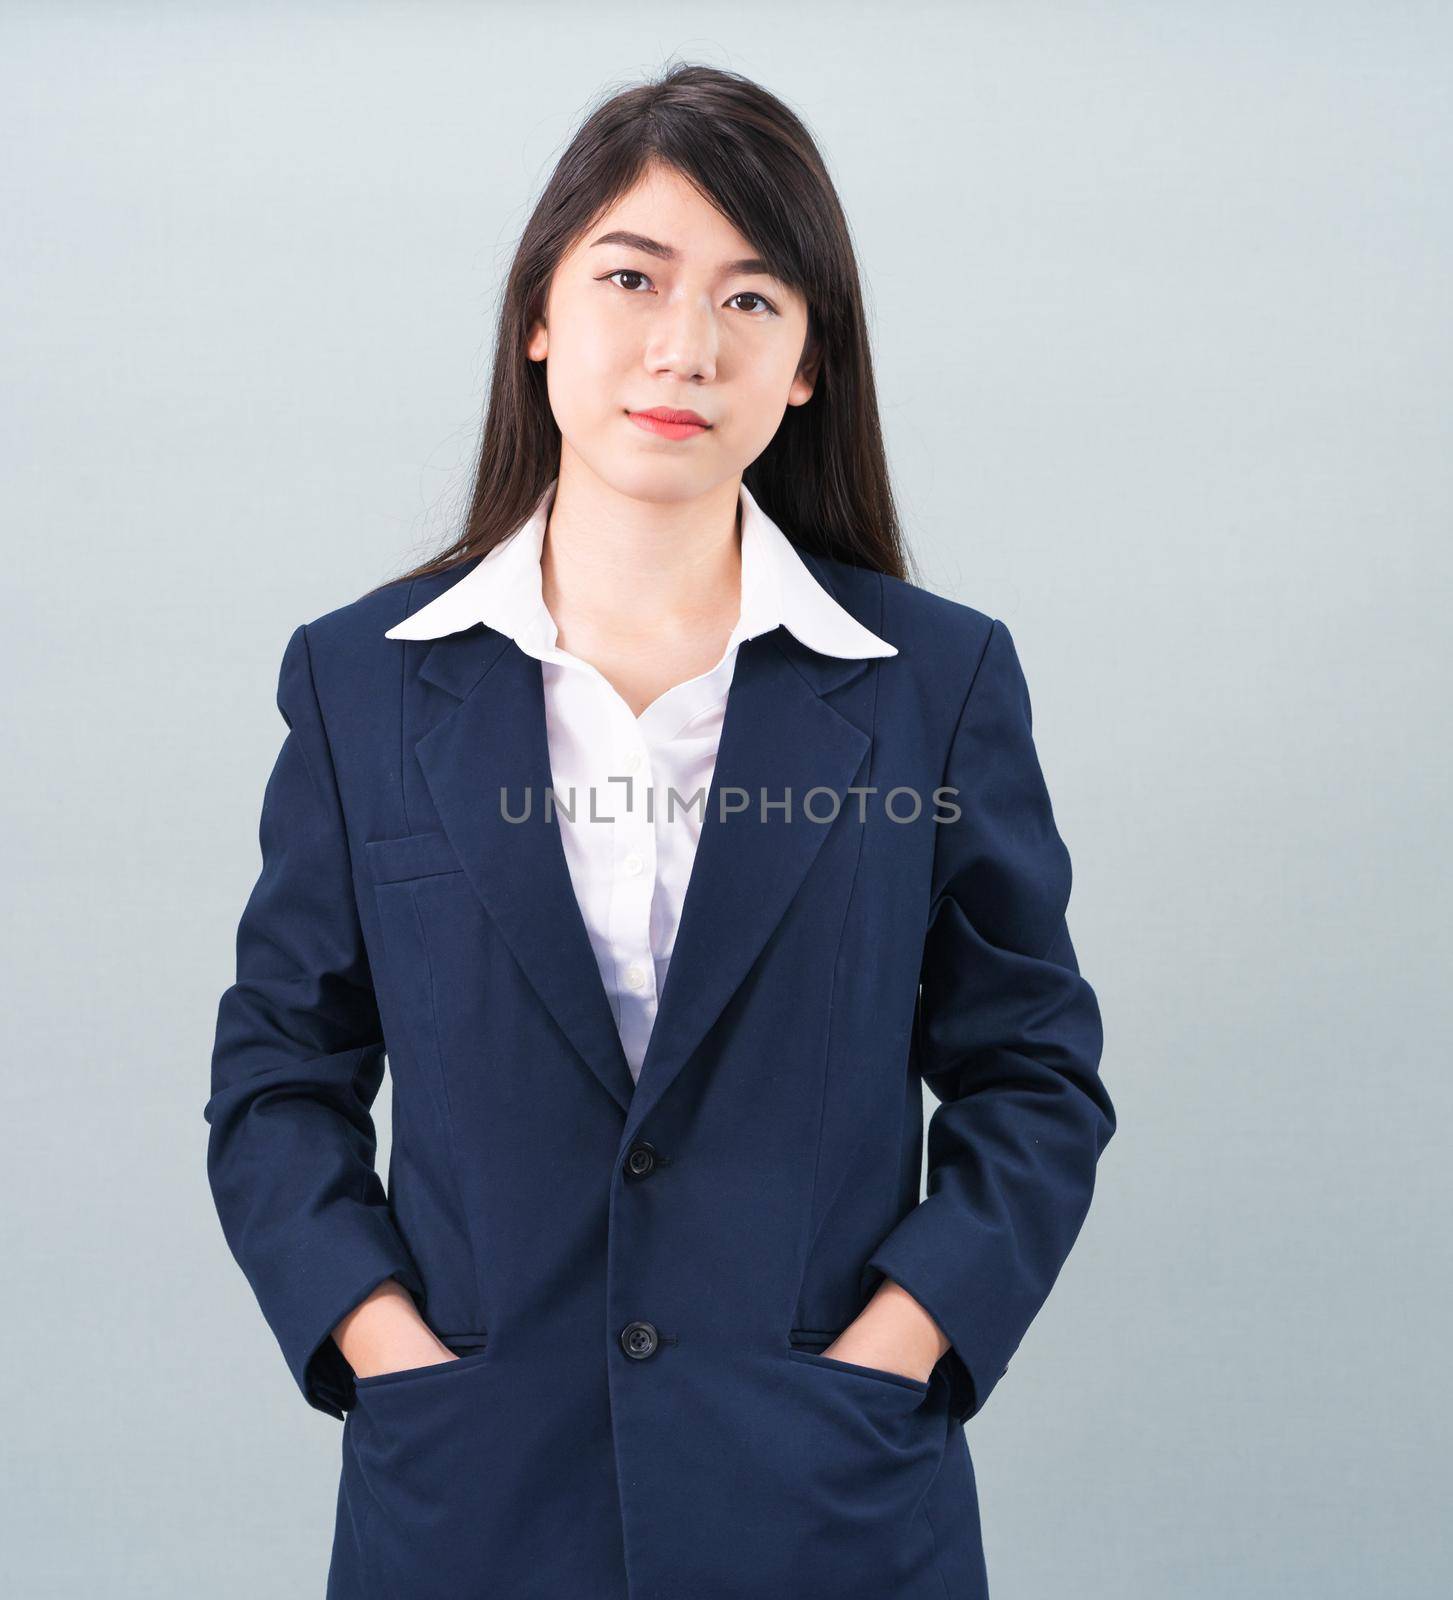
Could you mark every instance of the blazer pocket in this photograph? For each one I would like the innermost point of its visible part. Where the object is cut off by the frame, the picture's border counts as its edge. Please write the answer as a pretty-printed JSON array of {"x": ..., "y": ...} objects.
[
  {"x": 435, "y": 1369},
  {"x": 415, "y": 855},
  {"x": 806, "y": 1344}
]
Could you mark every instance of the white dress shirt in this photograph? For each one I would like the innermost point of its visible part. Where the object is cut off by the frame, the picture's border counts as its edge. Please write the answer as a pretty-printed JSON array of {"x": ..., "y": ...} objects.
[{"x": 630, "y": 866}]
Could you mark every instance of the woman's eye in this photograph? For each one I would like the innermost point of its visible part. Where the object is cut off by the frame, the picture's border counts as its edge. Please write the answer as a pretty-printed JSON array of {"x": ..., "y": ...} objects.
[{"x": 767, "y": 308}]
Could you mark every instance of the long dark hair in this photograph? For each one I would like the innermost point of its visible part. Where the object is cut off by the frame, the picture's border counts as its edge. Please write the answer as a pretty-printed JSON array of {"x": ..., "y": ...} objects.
[{"x": 824, "y": 477}]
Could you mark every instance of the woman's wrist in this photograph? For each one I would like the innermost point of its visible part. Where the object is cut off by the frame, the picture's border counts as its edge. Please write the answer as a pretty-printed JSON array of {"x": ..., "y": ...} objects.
[
  {"x": 893, "y": 1332},
  {"x": 385, "y": 1333}
]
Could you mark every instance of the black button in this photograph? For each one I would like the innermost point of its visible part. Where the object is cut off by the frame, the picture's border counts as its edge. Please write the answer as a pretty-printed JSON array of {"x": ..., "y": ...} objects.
[
  {"x": 640, "y": 1159},
  {"x": 639, "y": 1340}
]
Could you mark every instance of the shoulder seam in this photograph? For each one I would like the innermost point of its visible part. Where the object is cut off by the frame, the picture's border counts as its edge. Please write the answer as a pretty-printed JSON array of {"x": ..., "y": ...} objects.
[
  {"x": 327, "y": 746},
  {"x": 964, "y": 704},
  {"x": 994, "y": 625}
]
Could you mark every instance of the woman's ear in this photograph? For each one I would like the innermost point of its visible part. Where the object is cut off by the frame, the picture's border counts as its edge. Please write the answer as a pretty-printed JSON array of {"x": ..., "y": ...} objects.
[{"x": 807, "y": 368}]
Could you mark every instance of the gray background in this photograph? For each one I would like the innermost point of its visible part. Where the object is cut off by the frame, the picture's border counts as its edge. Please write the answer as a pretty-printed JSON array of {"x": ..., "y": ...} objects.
[{"x": 1159, "y": 297}]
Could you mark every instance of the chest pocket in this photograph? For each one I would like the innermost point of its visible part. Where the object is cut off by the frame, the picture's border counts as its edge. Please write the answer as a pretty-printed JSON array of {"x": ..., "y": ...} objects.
[{"x": 416, "y": 855}]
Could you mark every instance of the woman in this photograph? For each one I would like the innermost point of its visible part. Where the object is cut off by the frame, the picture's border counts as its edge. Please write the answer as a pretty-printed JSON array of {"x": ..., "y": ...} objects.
[{"x": 651, "y": 1307}]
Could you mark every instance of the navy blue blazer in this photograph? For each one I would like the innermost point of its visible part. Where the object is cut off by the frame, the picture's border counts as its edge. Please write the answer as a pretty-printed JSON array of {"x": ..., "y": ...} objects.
[{"x": 640, "y": 1278}]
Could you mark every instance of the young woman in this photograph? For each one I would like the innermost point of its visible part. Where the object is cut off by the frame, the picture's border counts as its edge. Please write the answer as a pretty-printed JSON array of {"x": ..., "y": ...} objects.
[{"x": 651, "y": 1308}]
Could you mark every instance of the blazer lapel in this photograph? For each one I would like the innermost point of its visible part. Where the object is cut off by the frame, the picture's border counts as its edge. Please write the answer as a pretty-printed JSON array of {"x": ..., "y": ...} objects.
[
  {"x": 780, "y": 736},
  {"x": 489, "y": 754}
]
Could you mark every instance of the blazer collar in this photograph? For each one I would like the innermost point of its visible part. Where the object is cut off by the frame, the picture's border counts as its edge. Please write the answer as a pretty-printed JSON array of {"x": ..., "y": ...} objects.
[{"x": 502, "y": 590}]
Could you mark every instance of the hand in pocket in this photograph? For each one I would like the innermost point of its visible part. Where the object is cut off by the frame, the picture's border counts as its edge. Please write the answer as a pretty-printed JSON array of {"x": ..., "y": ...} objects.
[
  {"x": 384, "y": 1333},
  {"x": 397, "y": 1362}
]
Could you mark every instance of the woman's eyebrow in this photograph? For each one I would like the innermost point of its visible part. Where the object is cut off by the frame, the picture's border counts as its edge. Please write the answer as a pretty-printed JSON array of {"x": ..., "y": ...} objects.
[{"x": 666, "y": 252}]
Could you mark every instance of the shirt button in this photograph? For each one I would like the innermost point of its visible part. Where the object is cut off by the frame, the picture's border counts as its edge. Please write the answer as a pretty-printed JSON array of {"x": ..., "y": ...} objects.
[
  {"x": 633, "y": 864},
  {"x": 633, "y": 761},
  {"x": 635, "y": 977}
]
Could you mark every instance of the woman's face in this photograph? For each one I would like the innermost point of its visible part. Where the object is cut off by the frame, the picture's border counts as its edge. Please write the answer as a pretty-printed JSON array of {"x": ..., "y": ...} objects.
[{"x": 659, "y": 305}]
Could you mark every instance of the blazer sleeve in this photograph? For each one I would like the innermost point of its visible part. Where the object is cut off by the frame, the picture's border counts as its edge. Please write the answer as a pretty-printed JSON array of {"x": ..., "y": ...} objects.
[
  {"x": 297, "y": 1062},
  {"x": 1009, "y": 1042}
]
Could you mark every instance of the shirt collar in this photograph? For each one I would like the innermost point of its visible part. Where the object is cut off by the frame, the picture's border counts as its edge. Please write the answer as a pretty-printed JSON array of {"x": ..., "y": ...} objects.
[{"x": 503, "y": 591}]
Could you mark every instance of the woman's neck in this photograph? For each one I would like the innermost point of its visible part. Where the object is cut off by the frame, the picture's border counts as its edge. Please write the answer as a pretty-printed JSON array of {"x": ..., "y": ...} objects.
[{"x": 617, "y": 572}]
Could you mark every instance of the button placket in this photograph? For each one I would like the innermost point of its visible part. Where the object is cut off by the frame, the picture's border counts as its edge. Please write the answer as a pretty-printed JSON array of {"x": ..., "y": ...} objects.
[{"x": 632, "y": 858}]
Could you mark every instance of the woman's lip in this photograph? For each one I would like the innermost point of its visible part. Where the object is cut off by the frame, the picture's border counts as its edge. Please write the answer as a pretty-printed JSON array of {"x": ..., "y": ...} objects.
[{"x": 667, "y": 430}]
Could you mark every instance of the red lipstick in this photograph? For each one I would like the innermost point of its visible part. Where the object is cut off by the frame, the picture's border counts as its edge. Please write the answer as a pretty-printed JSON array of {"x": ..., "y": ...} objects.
[{"x": 670, "y": 423}]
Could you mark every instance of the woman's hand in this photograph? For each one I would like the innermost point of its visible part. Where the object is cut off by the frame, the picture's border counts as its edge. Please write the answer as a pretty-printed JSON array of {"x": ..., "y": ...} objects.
[
  {"x": 385, "y": 1333},
  {"x": 893, "y": 1333}
]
